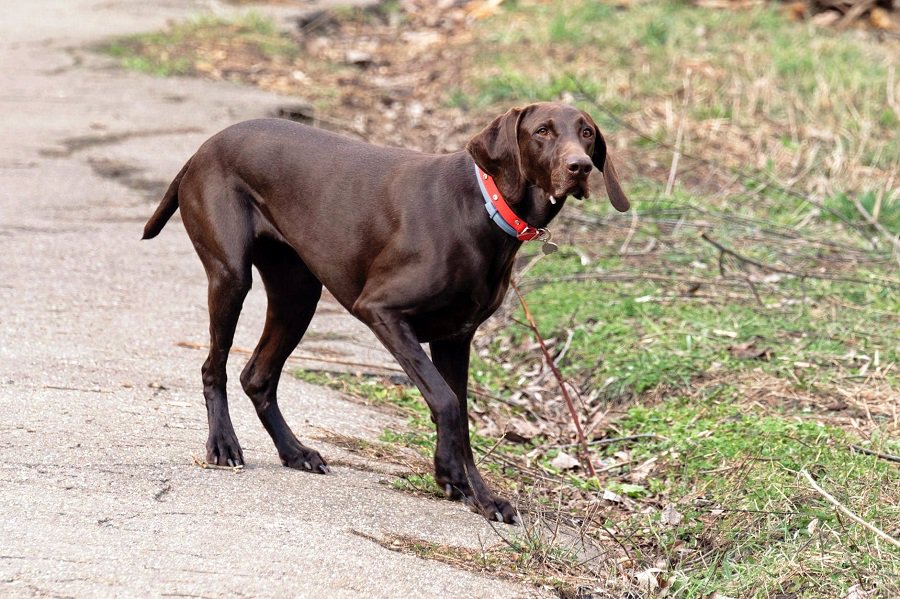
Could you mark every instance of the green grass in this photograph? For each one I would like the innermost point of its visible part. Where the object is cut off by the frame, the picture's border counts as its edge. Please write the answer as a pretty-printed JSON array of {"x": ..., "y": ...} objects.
[
  {"x": 627, "y": 339},
  {"x": 422, "y": 484},
  {"x": 752, "y": 525},
  {"x": 753, "y": 67},
  {"x": 888, "y": 214},
  {"x": 174, "y": 51},
  {"x": 133, "y": 60}
]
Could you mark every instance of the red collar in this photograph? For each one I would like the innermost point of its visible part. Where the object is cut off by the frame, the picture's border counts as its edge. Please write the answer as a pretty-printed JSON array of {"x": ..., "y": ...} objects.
[{"x": 500, "y": 212}]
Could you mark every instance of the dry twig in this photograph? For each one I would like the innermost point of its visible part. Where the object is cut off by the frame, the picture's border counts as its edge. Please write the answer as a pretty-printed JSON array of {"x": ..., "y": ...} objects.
[
  {"x": 877, "y": 531},
  {"x": 883, "y": 456},
  {"x": 295, "y": 357},
  {"x": 586, "y": 458},
  {"x": 801, "y": 275},
  {"x": 207, "y": 466}
]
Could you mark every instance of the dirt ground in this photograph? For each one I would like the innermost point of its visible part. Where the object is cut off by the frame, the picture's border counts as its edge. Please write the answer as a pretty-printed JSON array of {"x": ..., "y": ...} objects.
[{"x": 101, "y": 408}]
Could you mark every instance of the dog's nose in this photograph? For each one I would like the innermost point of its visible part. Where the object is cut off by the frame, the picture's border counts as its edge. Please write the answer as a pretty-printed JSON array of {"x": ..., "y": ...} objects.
[{"x": 579, "y": 165}]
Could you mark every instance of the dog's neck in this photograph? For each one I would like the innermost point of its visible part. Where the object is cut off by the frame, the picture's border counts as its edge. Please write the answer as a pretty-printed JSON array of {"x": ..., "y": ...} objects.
[
  {"x": 522, "y": 210},
  {"x": 534, "y": 205}
]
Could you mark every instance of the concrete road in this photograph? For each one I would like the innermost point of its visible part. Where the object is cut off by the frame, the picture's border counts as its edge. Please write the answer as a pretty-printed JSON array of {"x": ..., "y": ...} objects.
[{"x": 101, "y": 410}]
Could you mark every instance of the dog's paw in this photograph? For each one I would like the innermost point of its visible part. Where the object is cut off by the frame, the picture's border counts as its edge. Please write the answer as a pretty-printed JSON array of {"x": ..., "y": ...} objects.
[
  {"x": 304, "y": 458},
  {"x": 223, "y": 449},
  {"x": 494, "y": 508}
]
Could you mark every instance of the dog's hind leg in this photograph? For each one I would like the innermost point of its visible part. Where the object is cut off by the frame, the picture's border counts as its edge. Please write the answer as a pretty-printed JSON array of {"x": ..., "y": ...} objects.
[
  {"x": 221, "y": 230},
  {"x": 293, "y": 293}
]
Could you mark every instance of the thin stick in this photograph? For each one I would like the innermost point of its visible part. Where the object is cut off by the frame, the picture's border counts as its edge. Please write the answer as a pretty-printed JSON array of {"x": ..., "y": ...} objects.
[
  {"x": 679, "y": 137},
  {"x": 82, "y": 389},
  {"x": 294, "y": 357},
  {"x": 585, "y": 457},
  {"x": 873, "y": 220},
  {"x": 755, "y": 294},
  {"x": 801, "y": 275},
  {"x": 207, "y": 466},
  {"x": 611, "y": 440},
  {"x": 631, "y": 232},
  {"x": 855, "y": 11},
  {"x": 491, "y": 450},
  {"x": 848, "y": 513},
  {"x": 883, "y": 456}
]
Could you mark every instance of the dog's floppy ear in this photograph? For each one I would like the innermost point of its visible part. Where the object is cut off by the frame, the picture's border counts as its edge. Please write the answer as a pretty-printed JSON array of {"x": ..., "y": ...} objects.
[
  {"x": 496, "y": 151},
  {"x": 604, "y": 164}
]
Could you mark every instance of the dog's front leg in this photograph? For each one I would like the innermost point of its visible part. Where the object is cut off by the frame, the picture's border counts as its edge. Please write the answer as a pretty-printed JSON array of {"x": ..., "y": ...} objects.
[
  {"x": 398, "y": 337},
  {"x": 451, "y": 357}
]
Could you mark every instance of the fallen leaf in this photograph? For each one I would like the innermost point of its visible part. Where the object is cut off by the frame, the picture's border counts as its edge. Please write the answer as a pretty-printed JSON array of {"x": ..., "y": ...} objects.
[
  {"x": 610, "y": 496},
  {"x": 640, "y": 473},
  {"x": 670, "y": 515},
  {"x": 564, "y": 461},
  {"x": 649, "y": 579},
  {"x": 750, "y": 351},
  {"x": 857, "y": 592},
  {"x": 421, "y": 39},
  {"x": 623, "y": 455},
  {"x": 519, "y": 430},
  {"x": 358, "y": 57},
  {"x": 880, "y": 19},
  {"x": 797, "y": 11},
  {"x": 811, "y": 527},
  {"x": 824, "y": 19},
  {"x": 483, "y": 9}
]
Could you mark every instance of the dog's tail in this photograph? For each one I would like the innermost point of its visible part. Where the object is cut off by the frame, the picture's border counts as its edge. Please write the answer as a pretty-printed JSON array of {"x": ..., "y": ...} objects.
[{"x": 166, "y": 208}]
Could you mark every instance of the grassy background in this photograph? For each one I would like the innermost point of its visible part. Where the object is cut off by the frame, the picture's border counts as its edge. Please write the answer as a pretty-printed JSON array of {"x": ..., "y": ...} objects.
[{"x": 774, "y": 139}]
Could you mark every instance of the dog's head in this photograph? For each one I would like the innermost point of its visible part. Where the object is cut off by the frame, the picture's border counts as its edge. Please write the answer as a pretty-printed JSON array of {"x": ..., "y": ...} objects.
[{"x": 553, "y": 146}]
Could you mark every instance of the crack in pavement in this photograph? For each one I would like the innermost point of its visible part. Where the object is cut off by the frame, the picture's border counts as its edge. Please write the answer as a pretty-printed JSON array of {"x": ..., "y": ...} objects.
[
  {"x": 130, "y": 176},
  {"x": 71, "y": 145}
]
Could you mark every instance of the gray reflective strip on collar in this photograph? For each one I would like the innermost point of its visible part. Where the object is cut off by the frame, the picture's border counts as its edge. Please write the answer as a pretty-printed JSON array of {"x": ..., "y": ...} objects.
[{"x": 491, "y": 210}]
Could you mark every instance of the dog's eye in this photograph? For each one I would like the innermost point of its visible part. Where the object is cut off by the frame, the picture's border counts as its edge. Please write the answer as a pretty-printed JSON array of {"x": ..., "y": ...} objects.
[
  {"x": 542, "y": 131},
  {"x": 587, "y": 133}
]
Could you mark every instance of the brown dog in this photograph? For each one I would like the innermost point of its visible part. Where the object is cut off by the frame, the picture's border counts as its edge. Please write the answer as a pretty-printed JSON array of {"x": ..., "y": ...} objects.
[{"x": 420, "y": 247}]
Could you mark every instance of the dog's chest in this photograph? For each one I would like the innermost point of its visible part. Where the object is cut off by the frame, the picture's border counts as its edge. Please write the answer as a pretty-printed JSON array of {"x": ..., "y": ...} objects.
[{"x": 459, "y": 313}]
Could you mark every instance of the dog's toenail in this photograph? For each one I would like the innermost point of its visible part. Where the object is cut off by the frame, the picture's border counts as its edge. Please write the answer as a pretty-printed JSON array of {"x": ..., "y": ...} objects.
[
  {"x": 498, "y": 516},
  {"x": 307, "y": 466}
]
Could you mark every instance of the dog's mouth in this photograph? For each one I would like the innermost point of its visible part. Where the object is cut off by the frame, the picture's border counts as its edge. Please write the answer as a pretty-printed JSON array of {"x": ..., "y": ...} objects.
[{"x": 575, "y": 189}]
